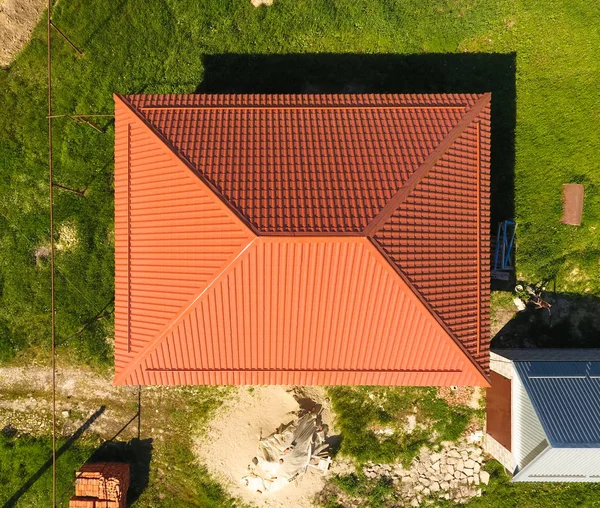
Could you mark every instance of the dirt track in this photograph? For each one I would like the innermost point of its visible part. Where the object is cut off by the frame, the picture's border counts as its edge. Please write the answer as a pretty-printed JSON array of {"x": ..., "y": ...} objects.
[{"x": 17, "y": 20}]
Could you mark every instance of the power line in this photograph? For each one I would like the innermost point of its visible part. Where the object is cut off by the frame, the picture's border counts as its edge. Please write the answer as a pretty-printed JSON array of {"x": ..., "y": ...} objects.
[{"x": 52, "y": 305}]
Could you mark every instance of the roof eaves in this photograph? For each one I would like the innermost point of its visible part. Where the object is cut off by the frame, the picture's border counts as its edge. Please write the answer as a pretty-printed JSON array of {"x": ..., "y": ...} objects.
[
  {"x": 404, "y": 192},
  {"x": 435, "y": 315},
  {"x": 192, "y": 168},
  {"x": 523, "y": 472},
  {"x": 136, "y": 362},
  {"x": 484, "y": 377}
]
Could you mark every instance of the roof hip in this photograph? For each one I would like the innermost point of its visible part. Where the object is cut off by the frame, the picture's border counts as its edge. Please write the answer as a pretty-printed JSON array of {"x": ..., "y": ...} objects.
[{"x": 404, "y": 192}]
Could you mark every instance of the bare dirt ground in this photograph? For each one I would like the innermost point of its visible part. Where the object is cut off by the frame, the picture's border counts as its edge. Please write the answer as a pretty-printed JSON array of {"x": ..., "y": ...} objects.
[
  {"x": 17, "y": 19},
  {"x": 26, "y": 403},
  {"x": 231, "y": 440}
]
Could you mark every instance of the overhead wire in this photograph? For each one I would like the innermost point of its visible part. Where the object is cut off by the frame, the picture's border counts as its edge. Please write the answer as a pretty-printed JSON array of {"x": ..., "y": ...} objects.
[{"x": 52, "y": 292}]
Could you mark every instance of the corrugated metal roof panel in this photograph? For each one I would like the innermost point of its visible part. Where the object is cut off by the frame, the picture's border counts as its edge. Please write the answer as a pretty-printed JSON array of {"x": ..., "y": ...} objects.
[
  {"x": 180, "y": 237},
  {"x": 439, "y": 237},
  {"x": 171, "y": 236},
  {"x": 314, "y": 306},
  {"x": 563, "y": 465},
  {"x": 568, "y": 406},
  {"x": 318, "y": 163}
]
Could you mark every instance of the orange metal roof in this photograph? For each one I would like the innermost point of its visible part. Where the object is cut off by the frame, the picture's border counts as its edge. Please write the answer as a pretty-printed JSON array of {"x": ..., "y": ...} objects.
[{"x": 388, "y": 282}]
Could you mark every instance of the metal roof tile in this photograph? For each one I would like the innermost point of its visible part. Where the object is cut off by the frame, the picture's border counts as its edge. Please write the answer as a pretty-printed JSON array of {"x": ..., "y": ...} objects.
[{"x": 298, "y": 165}]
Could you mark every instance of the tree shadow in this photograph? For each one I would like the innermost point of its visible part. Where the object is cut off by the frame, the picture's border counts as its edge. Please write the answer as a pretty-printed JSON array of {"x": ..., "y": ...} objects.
[
  {"x": 387, "y": 73},
  {"x": 48, "y": 464},
  {"x": 137, "y": 453},
  {"x": 573, "y": 321}
]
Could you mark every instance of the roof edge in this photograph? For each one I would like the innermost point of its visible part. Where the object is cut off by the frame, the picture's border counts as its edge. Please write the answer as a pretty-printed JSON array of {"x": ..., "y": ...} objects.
[
  {"x": 404, "y": 192},
  {"x": 191, "y": 167},
  {"x": 155, "y": 342},
  {"x": 436, "y": 316}
]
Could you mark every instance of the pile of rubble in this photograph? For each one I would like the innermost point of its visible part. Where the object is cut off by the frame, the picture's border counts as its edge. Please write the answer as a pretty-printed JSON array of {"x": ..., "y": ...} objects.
[{"x": 453, "y": 474}]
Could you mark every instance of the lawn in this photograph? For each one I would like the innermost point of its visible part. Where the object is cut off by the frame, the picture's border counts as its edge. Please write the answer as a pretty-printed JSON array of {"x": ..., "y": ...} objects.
[
  {"x": 541, "y": 60},
  {"x": 362, "y": 412}
]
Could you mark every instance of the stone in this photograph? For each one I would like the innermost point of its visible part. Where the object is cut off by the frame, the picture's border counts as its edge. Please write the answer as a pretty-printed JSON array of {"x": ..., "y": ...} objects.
[
  {"x": 476, "y": 468},
  {"x": 444, "y": 485},
  {"x": 435, "y": 457},
  {"x": 446, "y": 496},
  {"x": 451, "y": 469},
  {"x": 434, "y": 487},
  {"x": 425, "y": 481},
  {"x": 258, "y": 3},
  {"x": 415, "y": 502},
  {"x": 468, "y": 472},
  {"x": 470, "y": 480},
  {"x": 478, "y": 493},
  {"x": 66, "y": 413},
  {"x": 435, "y": 466},
  {"x": 426, "y": 491},
  {"x": 454, "y": 454},
  {"x": 448, "y": 477},
  {"x": 418, "y": 487},
  {"x": 407, "y": 480},
  {"x": 464, "y": 455},
  {"x": 476, "y": 479},
  {"x": 451, "y": 461},
  {"x": 484, "y": 477},
  {"x": 469, "y": 464},
  {"x": 460, "y": 465}
]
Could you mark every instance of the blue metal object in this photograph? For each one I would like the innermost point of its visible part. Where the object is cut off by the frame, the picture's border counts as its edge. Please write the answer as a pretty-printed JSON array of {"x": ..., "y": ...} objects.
[
  {"x": 566, "y": 399},
  {"x": 505, "y": 239}
]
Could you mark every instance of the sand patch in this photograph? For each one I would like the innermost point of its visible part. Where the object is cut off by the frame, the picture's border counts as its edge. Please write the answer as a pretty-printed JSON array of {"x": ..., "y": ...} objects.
[
  {"x": 231, "y": 439},
  {"x": 17, "y": 19}
]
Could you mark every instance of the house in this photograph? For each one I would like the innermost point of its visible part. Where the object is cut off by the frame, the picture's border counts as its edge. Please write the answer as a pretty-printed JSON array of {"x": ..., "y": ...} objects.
[
  {"x": 543, "y": 410},
  {"x": 302, "y": 239}
]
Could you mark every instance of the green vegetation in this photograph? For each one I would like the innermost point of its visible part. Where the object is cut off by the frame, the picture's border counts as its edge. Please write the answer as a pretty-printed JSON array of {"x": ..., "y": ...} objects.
[
  {"x": 501, "y": 493},
  {"x": 26, "y": 461},
  {"x": 176, "y": 478},
  {"x": 364, "y": 414},
  {"x": 540, "y": 60},
  {"x": 375, "y": 493},
  {"x": 543, "y": 82}
]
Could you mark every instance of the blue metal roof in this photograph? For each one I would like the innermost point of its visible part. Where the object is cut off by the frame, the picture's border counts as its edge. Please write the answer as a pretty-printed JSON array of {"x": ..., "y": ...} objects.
[{"x": 566, "y": 398}]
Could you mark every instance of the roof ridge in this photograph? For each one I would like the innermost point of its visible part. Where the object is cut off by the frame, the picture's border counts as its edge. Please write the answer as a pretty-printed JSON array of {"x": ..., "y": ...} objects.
[
  {"x": 428, "y": 306},
  {"x": 192, "y": 168},
  {"x": 404, "y": 192},
  {"x": 155, "y": 342}
]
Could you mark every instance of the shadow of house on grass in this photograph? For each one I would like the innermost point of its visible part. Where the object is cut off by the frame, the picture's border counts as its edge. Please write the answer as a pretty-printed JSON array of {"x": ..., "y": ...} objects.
[
  {"x": 572, "y": 322},
  {"x": 387, "y": 73},
  {"x": 137, "y": 453}
]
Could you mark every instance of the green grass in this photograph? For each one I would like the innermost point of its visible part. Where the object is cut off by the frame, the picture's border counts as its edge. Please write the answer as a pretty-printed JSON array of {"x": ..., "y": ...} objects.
[
  {"x": 25, "y": 460},
  {"x": 176, "y": 477},
  {"x": 362, "y": 411},
  {"x": 540, "y": 60},
  {"x": 501, "y": 493},
  {"x": 375, "y": 493}
]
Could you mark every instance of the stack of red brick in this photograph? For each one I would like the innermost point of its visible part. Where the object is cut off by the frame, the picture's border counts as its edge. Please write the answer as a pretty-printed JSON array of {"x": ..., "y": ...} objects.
[{"x": 101, "y": 485}]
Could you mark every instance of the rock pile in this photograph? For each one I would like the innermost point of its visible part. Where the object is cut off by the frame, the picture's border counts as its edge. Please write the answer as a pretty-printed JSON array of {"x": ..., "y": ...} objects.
[{"x": 453, "y": 474}]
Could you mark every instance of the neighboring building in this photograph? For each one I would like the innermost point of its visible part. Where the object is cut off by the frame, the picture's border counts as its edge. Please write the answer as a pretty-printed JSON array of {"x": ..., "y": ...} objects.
[
  {"x": 543, "y": 414},
  {"x": 302, "y": 239}
]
